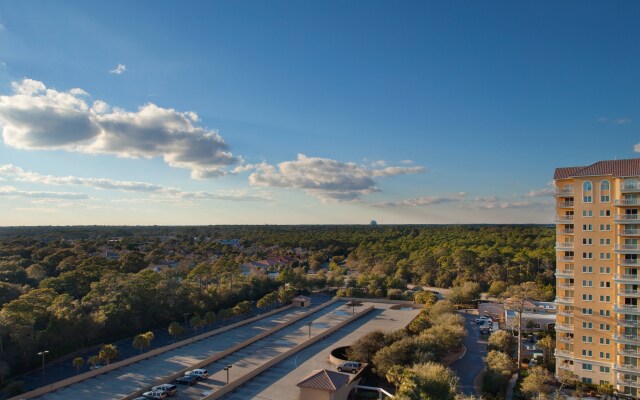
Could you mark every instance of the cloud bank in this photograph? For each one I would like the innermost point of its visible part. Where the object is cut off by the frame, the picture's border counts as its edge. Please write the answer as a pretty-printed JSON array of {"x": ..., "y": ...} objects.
[
  {"x": 324, "y": 178},
  {"x": 35, "y": 117}
]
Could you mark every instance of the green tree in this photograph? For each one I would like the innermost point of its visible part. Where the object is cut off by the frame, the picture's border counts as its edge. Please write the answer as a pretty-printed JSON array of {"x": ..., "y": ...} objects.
[
  {"x": 395, "y": 375},
  {"x": 517, "y": 298},
  {"x": 78, "y": 362},
  {"x": 175, "y": 329},
  {"x": 424, "y": 297},
  {"x": 210, "y": 318},
  {"x": 501, "y": 341},
  {"x": 141, "y": 342},
  {"x": 93, "y": 361},
  {"x": 108, "y": 352},
  {"x": 536, "y": 383}
]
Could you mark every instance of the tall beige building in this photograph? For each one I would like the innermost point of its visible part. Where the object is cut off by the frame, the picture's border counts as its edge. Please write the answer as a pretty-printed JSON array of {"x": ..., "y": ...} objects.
[{"x": 598, "y": 228}]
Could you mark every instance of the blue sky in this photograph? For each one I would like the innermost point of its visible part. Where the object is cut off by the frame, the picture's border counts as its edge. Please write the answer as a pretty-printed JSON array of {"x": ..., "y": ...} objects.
[{"x": 279, "y": 112}]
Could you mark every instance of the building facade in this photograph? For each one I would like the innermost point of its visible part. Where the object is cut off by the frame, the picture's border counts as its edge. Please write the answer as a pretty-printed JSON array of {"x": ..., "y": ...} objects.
[{"x": 597, "y": 281}]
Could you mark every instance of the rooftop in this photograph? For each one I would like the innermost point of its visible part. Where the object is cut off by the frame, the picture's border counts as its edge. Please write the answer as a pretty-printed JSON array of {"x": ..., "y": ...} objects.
[
  {"x": 324, "y": 380},
  {"x": 615, "y": 168}
]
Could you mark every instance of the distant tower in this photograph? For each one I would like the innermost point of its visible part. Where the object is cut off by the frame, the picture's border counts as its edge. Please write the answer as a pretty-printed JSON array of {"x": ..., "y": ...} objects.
[{"x": 374, "y": 223}]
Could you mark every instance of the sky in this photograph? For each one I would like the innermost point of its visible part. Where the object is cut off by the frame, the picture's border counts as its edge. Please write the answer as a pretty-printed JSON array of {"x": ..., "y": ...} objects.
[{"x": 308, "y": 112}]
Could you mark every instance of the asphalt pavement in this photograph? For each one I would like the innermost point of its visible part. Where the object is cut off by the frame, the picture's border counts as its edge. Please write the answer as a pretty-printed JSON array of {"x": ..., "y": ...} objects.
[{"x": 469, "y": 366}]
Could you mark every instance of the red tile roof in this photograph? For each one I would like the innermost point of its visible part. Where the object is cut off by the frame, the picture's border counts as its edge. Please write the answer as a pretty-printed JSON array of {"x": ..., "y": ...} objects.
[
  {"x": 324, "y": 380},
  {"x": 616, "y": 168}
]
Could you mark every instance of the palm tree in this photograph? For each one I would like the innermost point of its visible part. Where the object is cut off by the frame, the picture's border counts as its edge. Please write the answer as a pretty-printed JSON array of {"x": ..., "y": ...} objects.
[
  {"x": 175, "y": 329},
  {"x": 149, "y": 336},
  {"x": 140, "y": 342},
  {"x": 108, "y": 352},
  {"x": 78, "y": 362},
  {"x": 93, "y": 360}
]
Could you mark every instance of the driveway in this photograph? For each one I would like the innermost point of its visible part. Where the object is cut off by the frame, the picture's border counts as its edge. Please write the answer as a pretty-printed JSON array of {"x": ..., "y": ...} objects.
[{"x": 469, "y": 366}]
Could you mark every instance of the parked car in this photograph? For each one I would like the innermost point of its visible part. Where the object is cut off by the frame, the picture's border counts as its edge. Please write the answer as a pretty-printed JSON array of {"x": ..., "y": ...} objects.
[
  {"x": 199, "y": 373},
  {"x": 350, "y": 366},
  {"x": 155, "y": 395},
  {"x": 187, "y": 380},
  {"x": 482, "y": 320},
  {"x": 168, "y": 388}
]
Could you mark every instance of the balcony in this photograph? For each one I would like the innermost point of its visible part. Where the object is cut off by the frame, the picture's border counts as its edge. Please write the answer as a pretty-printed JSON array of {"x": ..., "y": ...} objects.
[
  {"x": 628, "y": 382},
  {"x": 564, "y": 273},
  {"x": 634, "y": 369},
  {"x": 629, "y": 352},
  {"x": 627, "y": 278},
  {"x": 564, "y": 245},
  {"x": 627, "y": 202},
  {"x": 631, "y": 309},
  {"x": 567, "y": 286},
  {"x": 566, "y": 313},
  {"x": 564, "y": 219},
  {"x": 567, "y": 231},
  {"x": 630, "y": 187},
  {"x": 564, "y": 327},
  {"x": 622, "y": 218},
  {"x": 565, "y": 339},
  {"x": 630, "y": 323},
  {"x": 564, "y": 192},
  {"x": 565, "y": 258},
  {"x": 629, "y": 232},
  {"x": 626, "y": 339},
  {"x": 629, "y": 293},
  {"x": 626, "y": 248},
  {"x": 564, "y": 300},
  {"x": 564, "y": 353},
  {"x": 566, "y": 366},
  {"x": 628, "y": 262},
  {"x": 565, "y": 204}
]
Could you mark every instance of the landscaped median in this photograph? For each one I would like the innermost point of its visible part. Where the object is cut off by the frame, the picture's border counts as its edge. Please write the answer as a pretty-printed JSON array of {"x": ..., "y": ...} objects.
[
  {"x": 90, "y": 374},
  {"x": 247, "y": 377}
]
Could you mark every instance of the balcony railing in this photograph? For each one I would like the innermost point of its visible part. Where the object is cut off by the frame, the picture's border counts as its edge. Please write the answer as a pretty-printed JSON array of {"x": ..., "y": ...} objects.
[
  {"x": 567, "y": 340},
  {"x": 631, "y": 323},
  {"x": 567, "y": 231},
  {"x": 627, "y": 339},
  {"x": 628, "y": 382},
  {"x": 564, "y": 327},
  {"x": 633, "y": 278},
  {"x": 626, "y": 248},
  {"x": 566, "y": 366},
  {"x": 565, "y": 204},
  {"x": 564, "y": 245},
  {"x": 627, "y": 202},
  {"x": 629, "y": 232},
  {"x": 630, "y": 187},
  {"x": 626, "y": 309},
  {"x": 629, "y": 293},
  {"x": 563, "y": 219},
  {"x": 629, "y": 352},
  {"x": 567, "y": 286},
  {"x": 628, "y": 262},
  {"x": 564, "y": 300},
  {"x": 566, "y": 313},
  {"x": 627, "y": 368},
  {"x": 625, "y": 218},
  {"x": 564, "y": 353},
  {"x": 566, "y": 258},
  {"x": 565, "y": 273},
  {"x": 564, "y": 192}
]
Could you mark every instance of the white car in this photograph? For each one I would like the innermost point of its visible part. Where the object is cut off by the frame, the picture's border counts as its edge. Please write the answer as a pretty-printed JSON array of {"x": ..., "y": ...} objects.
[
  {"x": 198, "y": 373},
  {"x": 349, "y": 366},
  {"x": 168, "y": 388},
  {"x": 483, "y": 320},
  {"x": 155, "y": 395}
]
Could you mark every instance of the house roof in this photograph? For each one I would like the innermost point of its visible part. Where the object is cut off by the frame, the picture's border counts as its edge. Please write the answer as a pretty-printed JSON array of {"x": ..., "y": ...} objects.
[
  {"x": 302, "y": 298},
  {"x": 324, "y": 380},
  {"x": 616, "y": 168}
]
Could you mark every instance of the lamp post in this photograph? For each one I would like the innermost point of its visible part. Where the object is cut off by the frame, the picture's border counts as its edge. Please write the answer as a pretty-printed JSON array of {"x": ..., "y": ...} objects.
[
  {"x": 42, "y": 353},
  {"x": 309, "y": 324},
  {"x": 227, "y": 368}
]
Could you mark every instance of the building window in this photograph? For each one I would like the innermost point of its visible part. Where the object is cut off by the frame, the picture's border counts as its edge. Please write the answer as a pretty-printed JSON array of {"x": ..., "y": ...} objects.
[
  {"x": 587, "y": 311},
  {"x": 587, "y": 353},
  {"x": 604, "y": 270},
  {"x": 587, "y": 325},
  {"x": 605, "y": 355},
  {"x": 587, "y": 297},
  {"x": 587, "y": 256},
  {"x": 605, "y": 327},
  {"x": 605, "y": 284},
  {"x": 605, "y": 298},
  {"x": 605, "y": 198},
  {"x": 587, "y": 367},
  {"x": 605, "y": 213},
  {"x": 587, "y": 241},
  {"x": 605, "y": 313},
  {"x": 605, "y": 256},
  {"x": 587, "y": 339},
  {"x": 587, "y": 227},
  {"x": 604, "y": 186},
  {"x": 605, "y": 341},
  {"x": 587, "y": 269},
  {"x": 587, "y": 213},
  {"x": 586, "y": 283}
]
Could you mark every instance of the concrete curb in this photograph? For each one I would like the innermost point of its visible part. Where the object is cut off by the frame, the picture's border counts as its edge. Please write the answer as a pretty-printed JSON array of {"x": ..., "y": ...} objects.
[{"x": 464, "y": 352}]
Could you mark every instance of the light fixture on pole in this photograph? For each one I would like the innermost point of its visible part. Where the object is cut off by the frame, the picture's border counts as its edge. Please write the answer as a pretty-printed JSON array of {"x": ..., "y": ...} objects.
[
  {"x": 227, "y": 368},
  {"x": 309, "y": 324},
  {"x": 42, "y": 353}
]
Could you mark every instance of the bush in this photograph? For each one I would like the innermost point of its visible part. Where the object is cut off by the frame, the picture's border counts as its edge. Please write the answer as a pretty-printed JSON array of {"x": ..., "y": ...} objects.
[{"x": 14, "y": 388}]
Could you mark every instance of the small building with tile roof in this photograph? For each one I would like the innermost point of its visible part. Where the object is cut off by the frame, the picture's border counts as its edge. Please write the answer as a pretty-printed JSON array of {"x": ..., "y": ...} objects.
[
  {"x": 324, "y": 385},
  {"x": 301, "y": 301}
]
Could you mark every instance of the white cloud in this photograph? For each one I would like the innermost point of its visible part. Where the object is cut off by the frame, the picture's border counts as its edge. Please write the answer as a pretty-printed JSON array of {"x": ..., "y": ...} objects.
[
  {"x": 614, "y": 121},
  {"x": 636, "y": 148},
  {"x": 10, "y": 191},
  {"x": 20, "y": 175},
  {"x": 544, "y": 192},
  {"x": 494, "y": 202},
  {"x": 406, "y": 162},
  {"x": 325, "y": 178},
  {"x": 35, "y": 117},
  {"x": 379, "y": 163},
  {"x": 423, "y": 201},
  {"x": 119, "y": 69}
]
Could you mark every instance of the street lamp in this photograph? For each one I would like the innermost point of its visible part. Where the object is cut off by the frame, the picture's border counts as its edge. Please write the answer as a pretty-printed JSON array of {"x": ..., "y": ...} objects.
[
  {"x": 227, "y": 368},
  {"x": 42, "y": 353},
  {"x": 309, "y": 324}
]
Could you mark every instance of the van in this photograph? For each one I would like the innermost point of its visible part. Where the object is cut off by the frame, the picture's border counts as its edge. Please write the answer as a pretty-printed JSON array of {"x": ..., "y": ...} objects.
[{"x": 198, "y": 373}]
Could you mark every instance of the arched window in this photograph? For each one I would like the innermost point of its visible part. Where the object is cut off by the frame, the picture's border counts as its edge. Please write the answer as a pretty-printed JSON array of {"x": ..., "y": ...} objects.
[
  {"x": 587, "y": 187},
  {"x": 604, "y": 192},
  {"x": 604, "y": 186}
]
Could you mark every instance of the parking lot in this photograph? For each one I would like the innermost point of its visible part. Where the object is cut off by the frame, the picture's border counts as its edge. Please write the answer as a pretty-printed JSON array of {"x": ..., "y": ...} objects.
[{"x": 123, "y": 381}]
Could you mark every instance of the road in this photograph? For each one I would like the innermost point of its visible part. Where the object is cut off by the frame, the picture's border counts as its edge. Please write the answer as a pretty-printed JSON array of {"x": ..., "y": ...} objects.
[{"x": 472, "y": 363}]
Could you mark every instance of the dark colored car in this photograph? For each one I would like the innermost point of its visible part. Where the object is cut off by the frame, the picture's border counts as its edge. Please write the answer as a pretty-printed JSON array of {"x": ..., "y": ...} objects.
[{"x": 187, "y": 380}]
